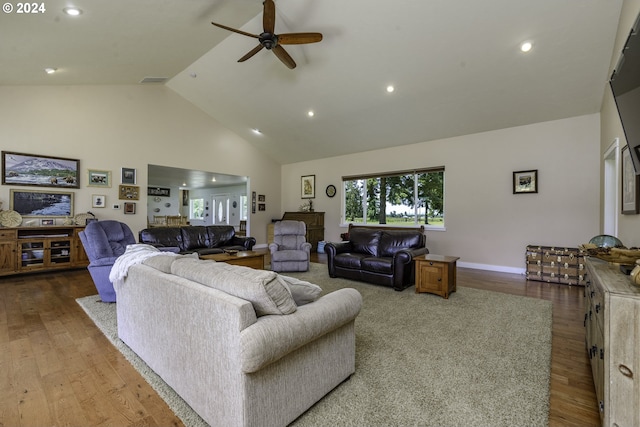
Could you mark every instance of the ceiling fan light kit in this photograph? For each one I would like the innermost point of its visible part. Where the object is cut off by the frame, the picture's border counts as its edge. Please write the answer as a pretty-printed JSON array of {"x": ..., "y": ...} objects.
[{"x": 271, "y": 41}]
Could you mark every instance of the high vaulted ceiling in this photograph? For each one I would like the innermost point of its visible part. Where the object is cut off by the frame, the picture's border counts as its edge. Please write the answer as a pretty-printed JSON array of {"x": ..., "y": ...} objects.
[{"x": 456, "y": 65}]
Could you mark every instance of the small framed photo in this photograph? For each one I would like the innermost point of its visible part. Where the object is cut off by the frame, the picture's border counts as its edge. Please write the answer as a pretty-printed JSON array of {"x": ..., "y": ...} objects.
[
  {"x": 98, "y": 201},
  {"x": 262, "y": 207},
  {"x": 99, "y": 178},
  {"x": 129, "y": 208},
  {"x": 129, "y": 192},
  {"x": 128, "y": 176},
  {"x": 47, "y": 222},
  {"x": 261, "y": 198},
  {"x": 525, "y": 182},
  {"x": 308, "y": 187}
]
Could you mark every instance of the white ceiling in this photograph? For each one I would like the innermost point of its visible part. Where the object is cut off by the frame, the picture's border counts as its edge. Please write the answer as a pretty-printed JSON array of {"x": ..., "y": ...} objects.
[{"x": 456, "y": 65}]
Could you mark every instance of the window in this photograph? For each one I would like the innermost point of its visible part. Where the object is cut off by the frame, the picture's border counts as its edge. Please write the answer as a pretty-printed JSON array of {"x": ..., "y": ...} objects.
[
  {"x": 196, "y": 208},
  {"x": 399, "y": 198}
]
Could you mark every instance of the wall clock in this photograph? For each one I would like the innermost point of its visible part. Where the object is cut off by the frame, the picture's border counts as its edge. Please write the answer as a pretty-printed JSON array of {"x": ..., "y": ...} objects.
[{"x": 331, "y": 190}]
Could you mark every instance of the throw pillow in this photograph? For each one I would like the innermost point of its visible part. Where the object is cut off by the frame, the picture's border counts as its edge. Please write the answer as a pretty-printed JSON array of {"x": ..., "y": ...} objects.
[
  {"x": 262, "y": 288},
  {"x": 301, "y": 291}
]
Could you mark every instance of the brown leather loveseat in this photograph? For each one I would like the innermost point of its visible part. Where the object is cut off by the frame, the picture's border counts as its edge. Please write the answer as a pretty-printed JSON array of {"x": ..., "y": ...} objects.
[{"x": 381, "y": 256}]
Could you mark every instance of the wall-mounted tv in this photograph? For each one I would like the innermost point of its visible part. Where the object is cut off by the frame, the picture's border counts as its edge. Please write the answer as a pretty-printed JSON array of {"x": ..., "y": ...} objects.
[{"x": 625, "y": 84}]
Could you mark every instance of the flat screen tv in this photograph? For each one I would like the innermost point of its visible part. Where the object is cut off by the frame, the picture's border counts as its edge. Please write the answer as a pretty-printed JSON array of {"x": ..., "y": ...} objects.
[{"x": 625, "y": 84}]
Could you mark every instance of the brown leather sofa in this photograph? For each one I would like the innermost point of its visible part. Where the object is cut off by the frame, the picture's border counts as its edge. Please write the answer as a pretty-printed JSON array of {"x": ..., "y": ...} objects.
[
  {"x": 377, "y": 255},
  {"x": 211, "y": 239}
]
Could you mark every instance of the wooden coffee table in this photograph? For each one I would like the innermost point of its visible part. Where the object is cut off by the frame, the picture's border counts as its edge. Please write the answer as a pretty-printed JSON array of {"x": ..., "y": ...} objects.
[{"x": 251, "y": 259}]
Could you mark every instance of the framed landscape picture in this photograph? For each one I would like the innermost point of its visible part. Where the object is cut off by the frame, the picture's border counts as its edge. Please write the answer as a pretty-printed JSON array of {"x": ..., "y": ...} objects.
[
  {"x": 630, "y": 184},
  {"x": 39, "y": 170},
  {"x": 99, "y": 178},
  {"x": 41, "y": 203},
  {"x": 525, "y": 182}
]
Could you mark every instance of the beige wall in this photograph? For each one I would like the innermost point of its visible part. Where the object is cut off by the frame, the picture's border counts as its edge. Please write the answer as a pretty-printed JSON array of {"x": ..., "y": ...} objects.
[
  {"x": 109, "y": 127},
  {"x": 486, "y": 224},
  {"x": 611, "y": 128}
]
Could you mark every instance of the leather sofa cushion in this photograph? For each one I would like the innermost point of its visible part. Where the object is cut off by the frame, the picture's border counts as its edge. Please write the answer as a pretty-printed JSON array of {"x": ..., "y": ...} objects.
[
  {"x": 162, "y": 236},
  {"x": 194, "y": 237},
  {"x": 365, "y": 240},
  {"x": 393, "y": 241},
  {"x": 349, "y": 260},
  {"x": 220, "y": 235},
  {"x": 377, "y": 265}
]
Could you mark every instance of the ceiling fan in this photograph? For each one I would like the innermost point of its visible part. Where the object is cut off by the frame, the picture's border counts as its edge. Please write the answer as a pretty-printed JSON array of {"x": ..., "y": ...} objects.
[{"x": 271, "y": 41}]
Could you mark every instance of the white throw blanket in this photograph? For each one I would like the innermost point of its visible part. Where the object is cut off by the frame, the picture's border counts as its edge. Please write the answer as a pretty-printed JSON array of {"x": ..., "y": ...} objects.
[{"x": 134, "y": 254}]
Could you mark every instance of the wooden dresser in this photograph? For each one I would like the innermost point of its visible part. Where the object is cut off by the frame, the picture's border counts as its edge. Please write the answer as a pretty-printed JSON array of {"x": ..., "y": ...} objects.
[
  {"x": 314, "y": 222},
  {"x": 30, "y": 249},
  {"x": 612, "y": 322}
]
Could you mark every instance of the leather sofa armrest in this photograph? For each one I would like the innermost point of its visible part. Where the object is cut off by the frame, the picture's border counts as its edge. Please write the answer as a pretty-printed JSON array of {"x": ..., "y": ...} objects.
[
  {"x": 332, "y": 249},
  {"x": 403, "y": 267},
  {"x": 246, "y": 242}
]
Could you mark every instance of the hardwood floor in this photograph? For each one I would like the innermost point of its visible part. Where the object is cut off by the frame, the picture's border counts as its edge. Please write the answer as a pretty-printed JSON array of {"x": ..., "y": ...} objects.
[{"x": 56, "y": 367}]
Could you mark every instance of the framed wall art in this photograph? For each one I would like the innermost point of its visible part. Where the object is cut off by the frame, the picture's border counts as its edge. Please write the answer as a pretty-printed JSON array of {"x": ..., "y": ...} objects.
[
  {"x": 630, "y": 184},
  {"x": 525, "y": 182},
  {"x": 30, "y": 203},
  {"x": 129, "y": 192},
  {"x": 39, "y": 170},
  {"x": 308, "y": 186},
  {"x": 128, "y": 176},
  {"x": 253, "y": 202},
  {"x": 99, "y": 178},
  {"x": 98, "y": 201},
  {"x": 47, "y": 222},
  {"x": 158, "y": 191},
  {"x": 129, "y": 208}
]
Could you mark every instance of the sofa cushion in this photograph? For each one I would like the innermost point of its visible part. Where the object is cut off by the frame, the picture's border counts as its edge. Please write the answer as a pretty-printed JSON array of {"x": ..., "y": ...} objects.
[
  {"x": 377, "y": 265},
  {"x": 264, "y": 289},
  {"x": 194, "y": 237},
  {"x": 393, "y": 241},
  {"x": 163, "y": 261},
  {"x": 220, "y": 235},
  {"x": 349, "y": 260},
  {"x": 301, "y": 291},
  {"x": 365, "y": 240}
]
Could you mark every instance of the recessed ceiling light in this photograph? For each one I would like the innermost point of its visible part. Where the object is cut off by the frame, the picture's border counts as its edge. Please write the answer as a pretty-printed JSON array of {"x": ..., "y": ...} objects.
[
  {"x": 50, "y": 70},
  {"x": 72, "y": 11},
  {"x": 310, "y": 113},
  {"x": 390, "y": 88},
  {"x": 256, "y": 131},
  {"x": 526, "y": 46},
  {"x": 213, "y": 179}
]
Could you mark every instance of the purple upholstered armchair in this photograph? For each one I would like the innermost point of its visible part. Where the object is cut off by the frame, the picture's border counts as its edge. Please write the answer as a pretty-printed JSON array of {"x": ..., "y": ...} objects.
[
  {"x": 290, "y": 250},
  {"x": 104, "y": 241}
]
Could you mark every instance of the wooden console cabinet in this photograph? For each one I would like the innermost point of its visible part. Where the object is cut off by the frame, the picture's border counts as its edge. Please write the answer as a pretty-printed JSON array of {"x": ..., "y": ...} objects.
[
  {"x": 29, "y": 249},
  {"x": 612, "y": 323}
]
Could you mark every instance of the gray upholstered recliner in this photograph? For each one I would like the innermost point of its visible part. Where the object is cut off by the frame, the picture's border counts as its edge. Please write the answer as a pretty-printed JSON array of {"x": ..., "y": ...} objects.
[{"x": 290, "y": 250}]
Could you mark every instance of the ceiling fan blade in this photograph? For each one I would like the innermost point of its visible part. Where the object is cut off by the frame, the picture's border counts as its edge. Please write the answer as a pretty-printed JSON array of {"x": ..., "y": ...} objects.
[
  {"x": 269, "y": 16},
  {"x": 299, "y": 38},
  {"x": 236, "y": 31},
  {"x": 284, "y": 56},
  {"x": 251, "y": 53}
]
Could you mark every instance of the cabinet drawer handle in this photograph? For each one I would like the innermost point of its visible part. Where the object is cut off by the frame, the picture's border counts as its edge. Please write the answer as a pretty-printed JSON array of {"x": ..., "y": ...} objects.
[{"x": 624, "y": 370}]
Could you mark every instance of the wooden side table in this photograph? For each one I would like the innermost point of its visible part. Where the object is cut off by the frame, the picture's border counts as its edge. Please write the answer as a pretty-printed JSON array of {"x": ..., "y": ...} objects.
[{"x": 436, "y": 274}]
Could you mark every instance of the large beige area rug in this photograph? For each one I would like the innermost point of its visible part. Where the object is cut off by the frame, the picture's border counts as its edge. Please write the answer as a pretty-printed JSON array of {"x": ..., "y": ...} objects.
[{"x": 479, "y": 358}]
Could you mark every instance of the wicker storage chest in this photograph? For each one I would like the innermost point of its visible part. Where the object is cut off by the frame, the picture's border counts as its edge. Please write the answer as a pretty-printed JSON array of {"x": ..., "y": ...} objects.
[{"x": 554, "y": 264}]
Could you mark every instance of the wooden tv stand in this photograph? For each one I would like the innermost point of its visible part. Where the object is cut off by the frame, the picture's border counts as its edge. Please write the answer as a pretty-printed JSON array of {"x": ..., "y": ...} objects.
[{"x": 44, "y": 248}]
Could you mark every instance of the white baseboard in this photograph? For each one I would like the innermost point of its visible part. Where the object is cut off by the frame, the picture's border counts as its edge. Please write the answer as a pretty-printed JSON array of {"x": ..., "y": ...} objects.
[
  {"x": 489, "y": 267},
  {"x": 261, "y": 246}
]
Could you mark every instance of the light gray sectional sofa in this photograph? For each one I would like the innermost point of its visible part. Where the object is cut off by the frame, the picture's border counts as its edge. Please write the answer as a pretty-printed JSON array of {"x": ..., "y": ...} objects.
[{"x": 233, "y": 342}]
